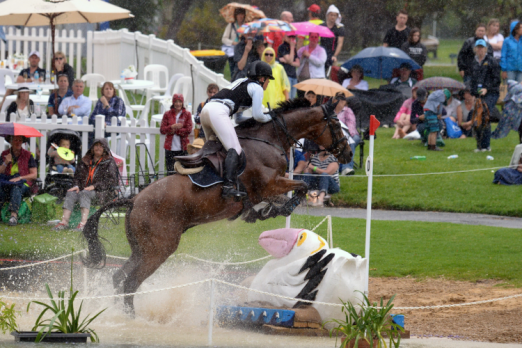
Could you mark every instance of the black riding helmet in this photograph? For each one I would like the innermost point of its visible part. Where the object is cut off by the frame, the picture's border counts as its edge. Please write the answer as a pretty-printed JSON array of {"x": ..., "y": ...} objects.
[{"x": 259, "y": 69}]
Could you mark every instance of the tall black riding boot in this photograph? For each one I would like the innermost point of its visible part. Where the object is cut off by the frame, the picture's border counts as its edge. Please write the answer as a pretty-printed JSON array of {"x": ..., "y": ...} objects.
[{"x": 231, "y": 168}]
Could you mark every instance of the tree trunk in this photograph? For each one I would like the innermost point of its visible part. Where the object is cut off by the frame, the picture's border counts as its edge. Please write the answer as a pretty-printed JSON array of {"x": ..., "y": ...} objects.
[{"x": 178, "y": 13}]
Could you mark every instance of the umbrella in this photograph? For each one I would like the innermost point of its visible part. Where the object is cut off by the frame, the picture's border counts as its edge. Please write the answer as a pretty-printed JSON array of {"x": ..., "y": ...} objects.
[
  {"x": 434, "y": 83},
  {"x": 52, "y": 12},
  {"x": 266, "y": 25},
  {"x": 322, "y": 87},
  {"x": 252, "y": 13},
  {"x": 17, "y": 129},
  {"x": 379, "y": 62},
  {"x": 305, "y": 28}
]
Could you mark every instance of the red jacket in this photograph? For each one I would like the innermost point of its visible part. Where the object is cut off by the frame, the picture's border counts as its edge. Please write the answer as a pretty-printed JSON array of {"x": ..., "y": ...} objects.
[
  {"x": 23, "y": 164},
  {"x": 169, "y": 118}
]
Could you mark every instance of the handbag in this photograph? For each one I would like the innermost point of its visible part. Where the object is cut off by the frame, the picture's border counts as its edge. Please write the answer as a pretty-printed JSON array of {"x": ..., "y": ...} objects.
[
  {"x": 452, "y": 129},
  {"x": 305, "y": 71}
]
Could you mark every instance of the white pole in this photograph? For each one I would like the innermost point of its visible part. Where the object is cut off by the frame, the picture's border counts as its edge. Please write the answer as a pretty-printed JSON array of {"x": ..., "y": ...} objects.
[
  {"x": 85, "y": 275},
  {"x": 290, "y": 176},
  {"x": 329, "y": 232},
  {"x": 211, "y": 313}
]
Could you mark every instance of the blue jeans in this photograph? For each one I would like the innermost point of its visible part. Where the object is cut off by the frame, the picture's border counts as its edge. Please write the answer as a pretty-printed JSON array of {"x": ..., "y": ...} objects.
[
  {"x": 357, "y": 140},
  {"x": 515, "y": 75},
  {"x": 293, "y": 91},
  {"x": 59, "y": 167},
  {"x": 321, "y": 182},
  {"x": 14, "y": 193}
]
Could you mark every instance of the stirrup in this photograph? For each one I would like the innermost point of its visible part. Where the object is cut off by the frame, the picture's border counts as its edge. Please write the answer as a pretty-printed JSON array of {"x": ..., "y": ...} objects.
[{"x": 230, "y": 191}]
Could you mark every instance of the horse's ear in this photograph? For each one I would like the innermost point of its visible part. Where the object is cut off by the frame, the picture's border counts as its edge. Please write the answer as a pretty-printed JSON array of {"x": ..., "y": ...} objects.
[{"x": 330, "y": 107}]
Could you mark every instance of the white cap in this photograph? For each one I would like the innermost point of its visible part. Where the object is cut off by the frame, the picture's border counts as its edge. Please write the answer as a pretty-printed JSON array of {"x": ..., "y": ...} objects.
[
  {"x": 35, "y": 53},
  {"x": 334, "y": 9}
]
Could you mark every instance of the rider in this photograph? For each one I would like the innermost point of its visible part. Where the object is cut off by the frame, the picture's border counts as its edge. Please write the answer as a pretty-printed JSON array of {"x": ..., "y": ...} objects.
[{"x": 242, "y": 94}]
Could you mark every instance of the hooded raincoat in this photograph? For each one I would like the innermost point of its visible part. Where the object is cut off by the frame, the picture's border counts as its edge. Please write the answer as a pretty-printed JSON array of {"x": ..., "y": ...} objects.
[
  {"x": 511, "y": 59},
  {"x": 274, "y": 93}
]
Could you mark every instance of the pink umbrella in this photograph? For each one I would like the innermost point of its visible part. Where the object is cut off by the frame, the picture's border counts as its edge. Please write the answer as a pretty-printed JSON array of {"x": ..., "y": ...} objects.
[{"x": 305, "y": 28}]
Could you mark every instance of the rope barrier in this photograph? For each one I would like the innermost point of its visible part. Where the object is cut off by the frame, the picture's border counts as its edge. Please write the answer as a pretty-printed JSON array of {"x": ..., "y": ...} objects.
[{"x": 41, "y": 262}]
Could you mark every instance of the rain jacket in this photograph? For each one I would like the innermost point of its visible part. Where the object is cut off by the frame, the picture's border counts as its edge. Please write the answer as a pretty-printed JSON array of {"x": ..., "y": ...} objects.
[
  {"x": 435, "y": 102},
  {"x": 511, "y": 59},
  {"x": 169, "y": 118},
  {"x": 485, "y": 73},
  {"x": 274, "y": 92},
  {"x": 467, "y": 54}
]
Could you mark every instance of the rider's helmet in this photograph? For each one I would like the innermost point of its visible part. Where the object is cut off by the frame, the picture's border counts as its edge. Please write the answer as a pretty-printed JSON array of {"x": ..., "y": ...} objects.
[{"x": 259, "y": 69}]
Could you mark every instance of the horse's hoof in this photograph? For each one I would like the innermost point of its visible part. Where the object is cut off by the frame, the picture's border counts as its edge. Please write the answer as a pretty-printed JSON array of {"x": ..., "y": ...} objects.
[{"x": 129, "y": 311}]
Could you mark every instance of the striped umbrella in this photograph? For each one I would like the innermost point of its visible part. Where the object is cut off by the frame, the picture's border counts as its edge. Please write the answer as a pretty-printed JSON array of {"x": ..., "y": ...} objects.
[
  {"x": 438, "y": 82},
  {"x": 266, "y": 25}
]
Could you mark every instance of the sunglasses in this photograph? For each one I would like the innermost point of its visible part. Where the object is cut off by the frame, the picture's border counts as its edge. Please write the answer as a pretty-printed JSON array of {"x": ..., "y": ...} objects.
[
  {"x": 58, "y": 58},
  {"x": 269, "y": 55}
]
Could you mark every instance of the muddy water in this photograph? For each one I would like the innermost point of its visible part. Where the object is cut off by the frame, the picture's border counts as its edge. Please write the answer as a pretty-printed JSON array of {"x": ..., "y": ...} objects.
[{"x": 175, "y": 318}]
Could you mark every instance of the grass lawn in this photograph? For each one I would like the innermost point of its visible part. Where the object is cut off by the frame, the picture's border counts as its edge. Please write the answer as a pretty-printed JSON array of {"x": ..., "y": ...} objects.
[{"x": 417, "y": 249}]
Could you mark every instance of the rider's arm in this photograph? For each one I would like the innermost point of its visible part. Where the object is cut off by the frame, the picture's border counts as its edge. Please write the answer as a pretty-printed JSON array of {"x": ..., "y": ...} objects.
[{"x": 256, "y": 93}]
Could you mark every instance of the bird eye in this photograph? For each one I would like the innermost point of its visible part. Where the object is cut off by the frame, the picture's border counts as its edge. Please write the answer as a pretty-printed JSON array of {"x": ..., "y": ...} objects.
[{"x": 301, "y": 239}]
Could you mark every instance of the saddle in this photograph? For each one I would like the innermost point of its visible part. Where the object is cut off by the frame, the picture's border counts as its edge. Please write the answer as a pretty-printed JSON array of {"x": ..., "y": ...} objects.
[{"x": 212, "y": 153}]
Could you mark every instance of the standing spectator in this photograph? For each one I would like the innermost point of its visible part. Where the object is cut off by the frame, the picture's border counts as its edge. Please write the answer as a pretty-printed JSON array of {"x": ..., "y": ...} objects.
[
  {"x": 22, "y": 106},
  {"x": 414, "y": 48},
  {"x": 324, "y": 170},
  {"x": 312, "y": 58},
  {"x": 346, "y": 116},
  {"x": 397, "y": 35},
  {"x": 248, "y": 50},
  {"x": 512, "y": 113},
  {"x": 405, "y": 76},
  {"x": 56, "y": 97},
  {"x": 60, "y": 63},
  {"x": 279, "y": 89},
  {"x": 511, "y": 59},
  {"x": 417, "y": 108},
  {"x": 485, "y": 82},
  {"x": 212, "y": 89},
  {"x": 231, "y": 38},
  {"x": 467, "y": 53},
  {"x": 494, "y": 38},
  {"x": 355, "y": 79},
  {"x": 177, "y": 125},
  {"x": 334, "y": 45},
  {"x": 275, "y": 39},
  {"x": 77, "y": 104},
  {"x": 287, "y": 55},
  {"x": 314, "y": 12},
  {"x": 432, "y": 114}
]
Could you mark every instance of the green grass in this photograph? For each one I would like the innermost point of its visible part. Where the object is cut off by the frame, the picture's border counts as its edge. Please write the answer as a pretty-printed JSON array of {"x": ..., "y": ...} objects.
[
  {"x": 399, "y": 248},
  {"x": 446, "y": 47}
]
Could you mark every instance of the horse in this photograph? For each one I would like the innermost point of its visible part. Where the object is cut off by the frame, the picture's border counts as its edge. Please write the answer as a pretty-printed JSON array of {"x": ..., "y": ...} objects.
[{"x": 158, "y": 216}]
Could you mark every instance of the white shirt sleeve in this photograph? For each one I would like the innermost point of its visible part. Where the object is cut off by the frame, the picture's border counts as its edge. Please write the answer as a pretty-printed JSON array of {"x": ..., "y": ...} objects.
[{"x": 256, "y": 93}]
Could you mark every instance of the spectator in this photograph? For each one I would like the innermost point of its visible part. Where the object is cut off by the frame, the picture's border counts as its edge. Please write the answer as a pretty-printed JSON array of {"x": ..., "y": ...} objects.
[
  {"x": 22, "y": 106},
  {"x": 467, "y": 53},
  {"x": 62, "y": 166},
  {"x": 278, "y": 90},
  {"x": 18, "y": 169},
  {"x": 417, "y": 108},
  {"x": 195, "y": 146},
  {"x": 402, "y": 119},
  {"x": 108, "y": 105},
  {"x": 60, "y": 63},
  {"x": 177, "y": 125},
  {"x": 346, "y": 116},
  {"x": 509, "y": 176},
  {"x": 324, "y": 170},
  {"x": 231, "y": 38},
  {"x": 314, "y": 12},
  {"x": 212, "y": 89},
  {"x": 334, "y": 45},
  {"x": 494, "y": 38},
  {"x": 485, "y": 82},
  {"x": 512, "y": 113},
  {"x": 467, "y": 105},
  {"x": 77, "y": 104},
  {"x": 287, "y": 55},
  {"x": 355, "y": 79},
  {"x": 397, "y": 35},
  {"x": 95, "y": 177},
  {"x": 405, "y": 78},
  {"x": 56, "y": 97},
  {"x": 274, "y": 39},
  {"x": 511, "y": 59},
  {"x": 414, "y": 48},
  {"x": 433, "y": 113},
  {"x": 312, "y": 98},
  {"x": 312, "y": 58},
  {"x": 300, "y": 163},
  {"x": 248, "y": 50},
  {"x": 27, "y": 75}
]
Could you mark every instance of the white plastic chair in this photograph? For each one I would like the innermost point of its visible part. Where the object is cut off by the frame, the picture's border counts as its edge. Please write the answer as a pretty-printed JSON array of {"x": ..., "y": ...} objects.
[
  {"x": 93, "y": 81},
  {"x": 4, "y": 75},
  {"x": 153, "y": 72},
  {"x": 184, "y": 86},
  {"x": 136, "y": 107}
]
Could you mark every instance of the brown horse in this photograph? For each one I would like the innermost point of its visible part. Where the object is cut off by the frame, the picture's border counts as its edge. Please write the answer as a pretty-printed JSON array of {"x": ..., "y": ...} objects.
[{"x": 158, "y": 216}]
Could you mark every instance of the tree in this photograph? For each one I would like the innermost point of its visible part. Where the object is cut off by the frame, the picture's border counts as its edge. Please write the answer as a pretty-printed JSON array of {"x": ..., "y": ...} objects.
[
  {"x": 144, "y": 12},
  {"x": 201, "y": 26}
]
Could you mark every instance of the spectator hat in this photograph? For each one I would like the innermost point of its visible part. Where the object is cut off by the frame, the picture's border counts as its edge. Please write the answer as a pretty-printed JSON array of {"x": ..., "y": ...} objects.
[
  {"x": 447, "y": 93},
  {"x": 314, "y": 8},
  {"x": 196, "y": 145},
  {"x": 481, "y": 42},
  {"x": 422, "y": 94},
  {"x": 23, "y": 88},
  {"x": 405, "y": 65},
  {"x": 177, "y": 97},
  {"x": 35, "y": 53}
]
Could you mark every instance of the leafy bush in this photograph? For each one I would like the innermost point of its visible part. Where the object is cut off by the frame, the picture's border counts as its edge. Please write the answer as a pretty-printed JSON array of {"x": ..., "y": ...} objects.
[{"x": 8, "y": 316}]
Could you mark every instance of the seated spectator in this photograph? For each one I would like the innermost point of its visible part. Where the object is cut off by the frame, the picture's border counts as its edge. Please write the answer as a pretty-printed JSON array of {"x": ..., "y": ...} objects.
[
  {"x": 355, "y": 79},
  {"x": 324, "y": 170},
  {"x": 177, "y": 125},
  {"x": 109, "y": 105},
  {"x": 468, "y": 102},
  {"x": 77, "y": 104},
  {"x": 454, "y": 112},
  {"x": 278, "y": 89},
  {"x": 62, "y": 166},
  {"x": 22, "y": 106},
  {"x": 18, "y": 172},
  {"x": 402, "y": 119},
  {"x": 249, "y": 49},
  {"x": 312, "y": 98},
  {"x": 509, "y": 176},
  {"x": 405, "y": 78},
  {"x": 62, "y": 68},
  {"x": 56, "y": 97},
  {"x": 512, "y": 113},
  {"x": 346, "y": 116},
  {"x": 96, "y": 176},
  {"x": 312, "y": 59},
  {"x": 414, "y": 48},
  {"x": 195, "y": 146},
  {"x": 299, "y": 163},
  {"x": 212, "y": 89}
]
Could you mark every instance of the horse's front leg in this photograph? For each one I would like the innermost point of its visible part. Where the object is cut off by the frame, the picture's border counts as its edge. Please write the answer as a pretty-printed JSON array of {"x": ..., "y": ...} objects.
[{"x": 282, "y": 186}]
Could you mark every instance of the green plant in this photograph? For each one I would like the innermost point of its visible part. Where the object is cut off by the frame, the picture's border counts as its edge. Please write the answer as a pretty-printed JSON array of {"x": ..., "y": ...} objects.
[
  {"x": 8, "y": 316},
  {"x": 367, "y": 322},
  {"x": 65, "y": 319}
]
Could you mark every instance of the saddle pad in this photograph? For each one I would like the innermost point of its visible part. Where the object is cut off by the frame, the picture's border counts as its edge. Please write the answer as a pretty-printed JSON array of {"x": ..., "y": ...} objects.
[{"x": 205, "y": 178}]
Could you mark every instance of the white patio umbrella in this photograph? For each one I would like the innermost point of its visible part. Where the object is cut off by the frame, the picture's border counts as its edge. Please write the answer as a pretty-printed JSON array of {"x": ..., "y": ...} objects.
[{"x": 31, "y": 13}]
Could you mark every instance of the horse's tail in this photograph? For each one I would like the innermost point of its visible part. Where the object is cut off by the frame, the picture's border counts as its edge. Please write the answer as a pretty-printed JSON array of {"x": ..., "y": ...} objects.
[{"x": 96, "y": 256}]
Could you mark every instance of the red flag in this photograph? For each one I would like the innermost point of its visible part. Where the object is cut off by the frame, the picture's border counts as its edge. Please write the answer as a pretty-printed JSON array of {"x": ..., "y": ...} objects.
[{"x": 374, "y": 124}]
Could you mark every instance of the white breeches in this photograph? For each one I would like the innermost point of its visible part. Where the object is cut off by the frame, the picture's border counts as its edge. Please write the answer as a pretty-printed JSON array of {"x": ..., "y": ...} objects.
[{"x": 215, "y": 120}]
